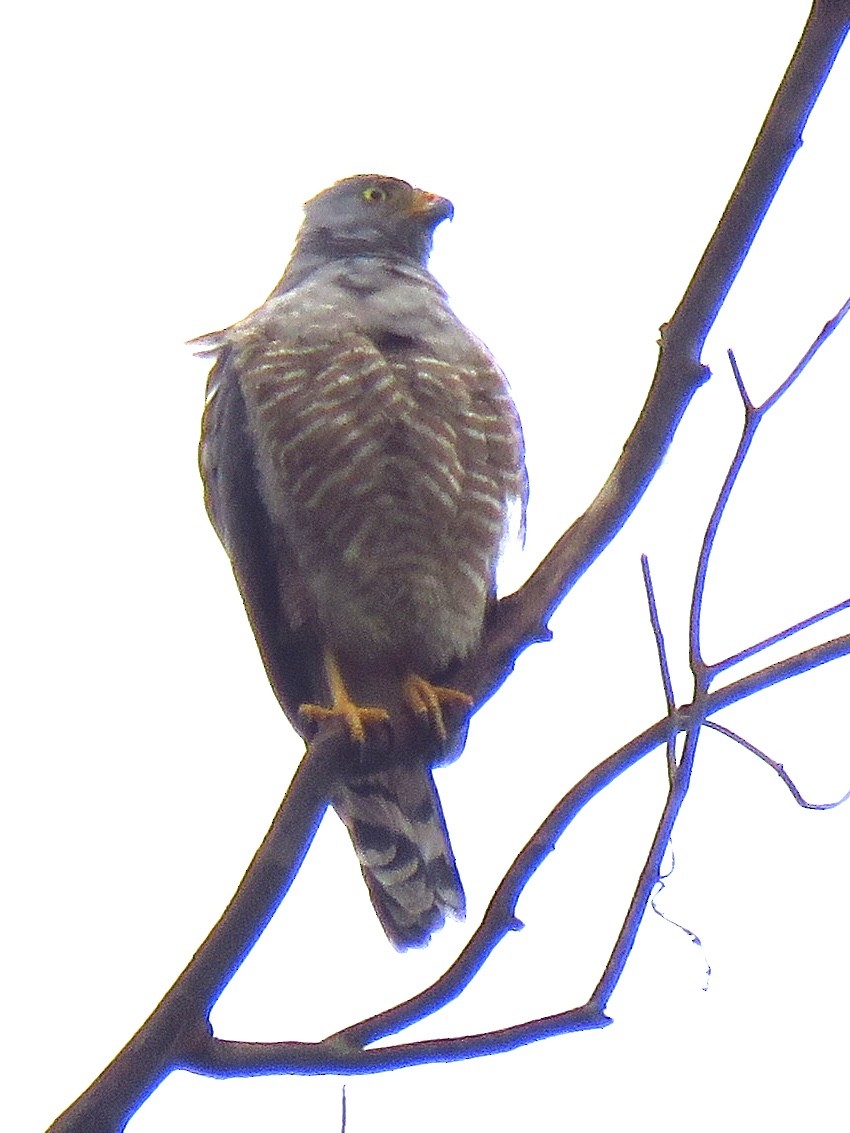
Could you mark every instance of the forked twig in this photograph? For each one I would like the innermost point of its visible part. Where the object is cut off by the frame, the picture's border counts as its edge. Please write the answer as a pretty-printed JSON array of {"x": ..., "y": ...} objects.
[{"x": 753, "y": 417}]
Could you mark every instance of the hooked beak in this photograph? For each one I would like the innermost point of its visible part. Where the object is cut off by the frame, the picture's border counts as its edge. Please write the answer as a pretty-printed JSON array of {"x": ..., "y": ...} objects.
[{"x": 429, "y": 204}]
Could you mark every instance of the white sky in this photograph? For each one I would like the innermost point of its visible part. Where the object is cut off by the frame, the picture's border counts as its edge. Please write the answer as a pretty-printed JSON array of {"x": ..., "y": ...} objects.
[{"x": 159, "y": 155}]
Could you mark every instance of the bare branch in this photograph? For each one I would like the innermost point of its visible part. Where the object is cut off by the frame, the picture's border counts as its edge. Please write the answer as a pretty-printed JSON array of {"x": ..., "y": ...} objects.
[
  {"x": 663, "y": 663},
  {"x": 520, "y": 619},
  {"x": 181, "y": 1017},
  {"x": 777, "y": 767},
  {"x": 753, "y": 416},
  {"x": 774, "y": 639},
  {"x": 828, "y": 329},
  {"x": 229, "y": 1059},
  {"x": 739, "y": 382},
  {"x": 700, "y": 669},
  {"x": 342, "y": 1051},
  {"x": 649, "y": 874},
  {"x": 655, "y": 621}
]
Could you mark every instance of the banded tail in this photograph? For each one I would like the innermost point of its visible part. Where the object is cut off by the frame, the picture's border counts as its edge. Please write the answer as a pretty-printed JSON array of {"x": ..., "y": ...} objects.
[{"x": 396, "y": 823}]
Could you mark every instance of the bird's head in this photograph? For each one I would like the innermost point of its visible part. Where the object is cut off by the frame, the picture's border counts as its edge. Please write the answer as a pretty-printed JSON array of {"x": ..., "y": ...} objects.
[{"x": 376, "y": 215}]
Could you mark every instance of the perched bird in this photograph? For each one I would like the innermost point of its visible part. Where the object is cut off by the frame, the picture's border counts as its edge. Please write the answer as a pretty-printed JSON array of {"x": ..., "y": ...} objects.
[{"x": 361, "y": 454}]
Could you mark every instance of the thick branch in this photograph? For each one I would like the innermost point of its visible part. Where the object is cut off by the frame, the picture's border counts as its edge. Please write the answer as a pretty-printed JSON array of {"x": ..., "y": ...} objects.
[
  {"x": 521, "y": 618},
  {"x": 181, "y": 1018}
]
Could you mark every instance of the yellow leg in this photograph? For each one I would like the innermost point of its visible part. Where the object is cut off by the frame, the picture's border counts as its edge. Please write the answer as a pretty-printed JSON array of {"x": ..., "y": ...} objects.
[
  {"x": 343, "y": 707},
  {"x": 427, "y": 700}
]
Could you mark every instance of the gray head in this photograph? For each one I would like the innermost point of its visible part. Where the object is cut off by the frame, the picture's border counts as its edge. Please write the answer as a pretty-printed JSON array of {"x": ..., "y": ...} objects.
[{"x": 367, "y": 215}]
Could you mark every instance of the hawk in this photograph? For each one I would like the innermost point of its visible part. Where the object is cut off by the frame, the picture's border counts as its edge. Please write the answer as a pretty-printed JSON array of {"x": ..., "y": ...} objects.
[{"x": 361, "y": 455}]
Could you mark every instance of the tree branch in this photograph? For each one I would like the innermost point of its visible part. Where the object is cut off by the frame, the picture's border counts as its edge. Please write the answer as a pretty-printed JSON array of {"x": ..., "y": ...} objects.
[
  {"x": 663, "y": 662},
  {"x": 343, "y": 1051},
  {"x": 753, "y": 417},
  {"x": 521, "y": 619},
  {"x": 181, "y": 1017},
  {"x": 777, "y": 767}
]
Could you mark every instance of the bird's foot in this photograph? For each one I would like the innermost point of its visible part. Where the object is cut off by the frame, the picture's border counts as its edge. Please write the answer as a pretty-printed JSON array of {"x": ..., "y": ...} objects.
[
  {"x": 427, "y": 700},
  {"x": 356, "y": 717}
]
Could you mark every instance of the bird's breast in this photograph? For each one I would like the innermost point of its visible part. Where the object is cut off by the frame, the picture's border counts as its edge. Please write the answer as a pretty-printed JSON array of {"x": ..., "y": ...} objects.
[{"x": 387, "y": 466}]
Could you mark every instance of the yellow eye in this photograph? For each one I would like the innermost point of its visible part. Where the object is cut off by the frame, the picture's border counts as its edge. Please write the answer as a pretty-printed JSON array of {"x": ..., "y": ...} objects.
[{"x": 374, "y": 193}]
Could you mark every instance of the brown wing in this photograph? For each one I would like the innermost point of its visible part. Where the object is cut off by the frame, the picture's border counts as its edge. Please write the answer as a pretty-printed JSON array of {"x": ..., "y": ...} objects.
[{"x": 291, "y": 654}]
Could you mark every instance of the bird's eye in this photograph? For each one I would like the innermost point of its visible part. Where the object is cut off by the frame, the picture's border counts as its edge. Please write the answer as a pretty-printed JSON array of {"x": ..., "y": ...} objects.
[{"x": 374, "y": 194}]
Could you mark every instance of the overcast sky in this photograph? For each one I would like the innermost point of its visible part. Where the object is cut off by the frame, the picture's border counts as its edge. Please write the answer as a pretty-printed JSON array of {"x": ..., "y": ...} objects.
[{"x": 158, "y": 156}]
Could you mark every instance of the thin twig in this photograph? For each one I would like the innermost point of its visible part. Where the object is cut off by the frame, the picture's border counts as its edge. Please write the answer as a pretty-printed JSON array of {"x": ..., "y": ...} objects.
[
  {"x": 663, "y": 664},
  {"x": 749, "y": 407},
  {"x": 651, "y": 870},
  {"x": 698, "y": 665},
  {"x": 753, "y": 416},
  {"x": 752, "y": 650},
  {"x": 777, "y": 767},
  {"x": 829, "y": 327}
]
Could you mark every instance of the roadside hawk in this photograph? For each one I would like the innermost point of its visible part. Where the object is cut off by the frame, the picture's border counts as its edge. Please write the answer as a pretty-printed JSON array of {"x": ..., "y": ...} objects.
[{"x": 361, "y": 454}]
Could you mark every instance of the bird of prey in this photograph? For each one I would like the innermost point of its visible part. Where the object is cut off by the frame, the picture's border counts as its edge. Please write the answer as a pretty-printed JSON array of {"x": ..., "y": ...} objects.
[{"x": 361, "y": 455}]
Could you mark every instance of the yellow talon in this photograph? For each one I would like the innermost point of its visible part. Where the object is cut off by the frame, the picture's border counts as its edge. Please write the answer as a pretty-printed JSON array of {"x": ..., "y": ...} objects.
[
  {"x": 427, "y": 700},
  {"x": 355, "y": 716}
]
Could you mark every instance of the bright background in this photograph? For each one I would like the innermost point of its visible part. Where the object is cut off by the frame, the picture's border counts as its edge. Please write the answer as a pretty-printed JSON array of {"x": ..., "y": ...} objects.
[{"x": 157, "y": 156}]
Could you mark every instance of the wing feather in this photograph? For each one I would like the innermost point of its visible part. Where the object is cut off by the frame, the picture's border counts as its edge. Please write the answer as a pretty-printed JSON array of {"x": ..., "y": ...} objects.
[{"x": 257, "y": 551}]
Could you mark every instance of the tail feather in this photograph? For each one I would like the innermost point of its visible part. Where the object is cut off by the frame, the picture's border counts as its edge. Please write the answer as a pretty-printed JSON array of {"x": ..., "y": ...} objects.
[{"x": 395, "y": 821}]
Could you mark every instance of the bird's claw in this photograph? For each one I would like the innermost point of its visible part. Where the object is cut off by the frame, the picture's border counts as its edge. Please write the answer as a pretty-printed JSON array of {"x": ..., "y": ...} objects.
[
  {"x": 355, "y": 717},
  {"x": 427, "y": 700}
]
